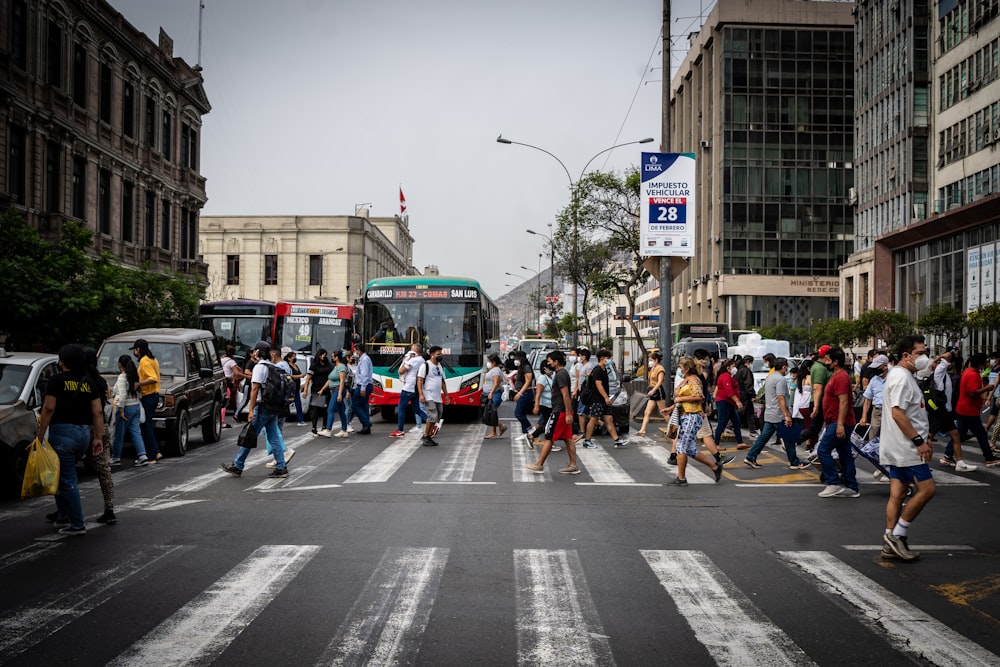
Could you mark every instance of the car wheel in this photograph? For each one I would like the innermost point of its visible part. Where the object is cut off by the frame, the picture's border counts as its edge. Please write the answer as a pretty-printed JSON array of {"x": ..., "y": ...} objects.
[
  {"x": 179, "y": 436},
  {"x": 388, "y": 413},
  {"x": 211, "y": 428}
]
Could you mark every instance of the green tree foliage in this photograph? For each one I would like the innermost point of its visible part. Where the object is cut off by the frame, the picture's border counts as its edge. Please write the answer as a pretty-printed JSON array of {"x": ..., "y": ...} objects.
[
  {"x": 986, "y": 318},
  {"x": 835, "y": 332},
  {"x": 797, "y": 336},
  {"x": 944, "y": 321},
  {"x": 885, "y": 325},
  {"x": 55, "y": 293}
]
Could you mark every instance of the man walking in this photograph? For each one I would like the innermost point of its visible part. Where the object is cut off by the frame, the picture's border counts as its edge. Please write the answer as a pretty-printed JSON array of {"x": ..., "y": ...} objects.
[
  {"x": 559, "y": 425},
  {"x": 777, "y": 414},
  {"x": 433, "y": 392},
  {"x": 362, "y": 389},
  {"x": 905, "y": 447},
  {"x": 599, "y": 402},
  {"x": 408, "y": 395},
  {"x": 267, "y": 402},
  {"x": 838, "y": 413},
  {"x": 871, "y": 411}
]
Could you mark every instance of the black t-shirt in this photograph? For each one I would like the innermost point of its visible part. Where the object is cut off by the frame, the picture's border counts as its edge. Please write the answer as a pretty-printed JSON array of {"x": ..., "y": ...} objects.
[
  {"x": 559, "y": 380},
  {"x": 598, "y": 375},
  {"x": 74, "y": 395},
  {"x": 869, "y": 372}
]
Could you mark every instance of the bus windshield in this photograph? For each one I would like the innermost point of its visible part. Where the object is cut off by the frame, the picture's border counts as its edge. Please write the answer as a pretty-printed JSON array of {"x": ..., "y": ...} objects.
[
  {"x": 392, "y": 326},
  {"x": 306, "y": 334},
  {"x": 240, "y": 332}
]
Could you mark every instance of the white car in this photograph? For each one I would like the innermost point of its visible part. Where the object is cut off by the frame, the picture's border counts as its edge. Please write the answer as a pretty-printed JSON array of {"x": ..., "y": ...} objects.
[{"x": 23, "y": 376}]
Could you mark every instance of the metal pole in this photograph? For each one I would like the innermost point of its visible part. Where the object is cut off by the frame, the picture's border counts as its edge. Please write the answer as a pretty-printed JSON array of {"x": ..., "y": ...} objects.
[{"x": 666, "y": 341}]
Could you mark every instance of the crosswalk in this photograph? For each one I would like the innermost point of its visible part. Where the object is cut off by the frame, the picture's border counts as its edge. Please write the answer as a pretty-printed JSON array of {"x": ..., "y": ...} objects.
[{"x": 545, "y": 598}]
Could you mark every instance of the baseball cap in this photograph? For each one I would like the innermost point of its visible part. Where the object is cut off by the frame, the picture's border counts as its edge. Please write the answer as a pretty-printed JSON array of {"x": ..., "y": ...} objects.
[
  {"x": 261, "y": 346},
  {"x": 879, "y": 361},
  {"x": 823, "y": 350}
]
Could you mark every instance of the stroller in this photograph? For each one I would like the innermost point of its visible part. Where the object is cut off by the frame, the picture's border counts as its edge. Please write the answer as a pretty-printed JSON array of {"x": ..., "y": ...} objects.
[{"x": 869, "y": 450}]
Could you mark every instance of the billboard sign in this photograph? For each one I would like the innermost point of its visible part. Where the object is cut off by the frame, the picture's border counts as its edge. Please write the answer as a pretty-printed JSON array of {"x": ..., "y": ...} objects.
[{"x": 667, "y": 205}]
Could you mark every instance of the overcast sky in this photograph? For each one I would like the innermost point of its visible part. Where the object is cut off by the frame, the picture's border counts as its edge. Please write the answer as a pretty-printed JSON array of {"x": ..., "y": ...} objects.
[{"x": 319, "y": 105}]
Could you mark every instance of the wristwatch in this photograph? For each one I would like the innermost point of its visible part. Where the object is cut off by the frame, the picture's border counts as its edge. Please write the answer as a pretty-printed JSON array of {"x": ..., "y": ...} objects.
[{"x": 917, "y": 440}]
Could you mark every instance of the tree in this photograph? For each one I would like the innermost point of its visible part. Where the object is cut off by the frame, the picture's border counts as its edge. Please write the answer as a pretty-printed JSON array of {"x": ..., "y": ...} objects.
[
  {"x": 835, "y": 332},
  {"x": 944, "y": 321},
  {"x": 986, "y": 318},
  {"x": 885, "y": 325}
]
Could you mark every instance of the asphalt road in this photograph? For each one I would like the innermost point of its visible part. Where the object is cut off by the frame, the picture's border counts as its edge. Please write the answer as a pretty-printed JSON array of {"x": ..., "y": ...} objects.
[{"x": 380, "y": 551}]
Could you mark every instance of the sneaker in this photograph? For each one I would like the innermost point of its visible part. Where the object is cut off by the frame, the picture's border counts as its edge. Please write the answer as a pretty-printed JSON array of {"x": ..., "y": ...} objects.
[
  {"x": 61, "y": 523},
  {"x": 679, "y": 482},
  {"x": 340, "y": 434},
  {"x": 578, "y": 437},
  {"x": 799, "y": 466},
  {"x": 993, "y": 463},
  {"x": 888, "y": 553},
  {"x": 141, "y": 461},
  {"x": 108, "y": 517},
  {"x": 830, "y": 490},
  {"x": 278, "y": 473},
  {"x": 570, "y": 470},
  {"x": 962, "y": 466},
  {"x": 397, "y": 434},
  {"x": 324, "y": 433},
  {"x": 428, "y": 441},
  {"x": 417, "y": 429},
  {"x": 619, "y": 443},
  {"x": 271, "y": 463},
  {"x": 673, "y": 459},
  {"x": 751, "y": 463},
  {"x": 231, "y": 469},
  {"x": 350, "y": 429},
  {"x": 159, "y": 457},
  {"x": 718, "y": 472},
  {"x": 589, "y": 444},
  {"x": 742, "y": 446},
  {"x": 899, "y": 546},
  {"x": 365, "y": 431},
  {"x": 69, "y": 530},
  {"x": 557, "y": 448},
  {"x": 115, "y": 462},
  {"x": 848, "y": 493},
  {"x": 289, "y": 453},
  {"x": 948, "y": 461},
  {"x": 725, "y": 460},
  {"x": 534, "y": 467},
  {"x": 302, "y": 424}
]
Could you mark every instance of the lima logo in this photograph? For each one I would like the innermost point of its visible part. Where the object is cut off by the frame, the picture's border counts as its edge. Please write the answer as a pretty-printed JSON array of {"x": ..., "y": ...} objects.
[{"x": 653, "y": 164}]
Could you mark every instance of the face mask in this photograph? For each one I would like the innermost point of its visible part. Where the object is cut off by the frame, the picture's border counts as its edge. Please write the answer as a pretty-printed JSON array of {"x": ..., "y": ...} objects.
[
  {"x": 652, "y": 363},
  {"x": 517, "y": 363},
  {"x": 732, "y": 371},
  {"x": 572, "y": 360},
  {"x": 922, "y": 362}
]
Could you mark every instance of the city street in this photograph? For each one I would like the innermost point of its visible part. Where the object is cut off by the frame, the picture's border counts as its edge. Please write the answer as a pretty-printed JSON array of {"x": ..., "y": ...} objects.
[{"x": 381, "y": 551}]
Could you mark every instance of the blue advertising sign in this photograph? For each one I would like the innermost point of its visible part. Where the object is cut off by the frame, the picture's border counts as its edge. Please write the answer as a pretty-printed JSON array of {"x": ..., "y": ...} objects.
[{"x": 666, "y": 212}]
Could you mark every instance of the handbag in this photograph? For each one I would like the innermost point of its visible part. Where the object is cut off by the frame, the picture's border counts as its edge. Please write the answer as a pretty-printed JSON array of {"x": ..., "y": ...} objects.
[
  {"x": 142, "y": 414},
  {"x": 490, "y": 417},
  {"x": 248, "y": 436},
  {"x": 41, "y": 471}
]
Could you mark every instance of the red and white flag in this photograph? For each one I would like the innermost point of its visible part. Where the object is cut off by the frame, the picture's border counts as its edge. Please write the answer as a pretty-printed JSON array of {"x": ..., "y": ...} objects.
[{"x": 402, "y": 201}]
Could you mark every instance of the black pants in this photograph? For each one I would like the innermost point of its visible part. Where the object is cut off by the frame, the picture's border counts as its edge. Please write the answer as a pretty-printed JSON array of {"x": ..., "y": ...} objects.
[{"x": 543, "y": 417}]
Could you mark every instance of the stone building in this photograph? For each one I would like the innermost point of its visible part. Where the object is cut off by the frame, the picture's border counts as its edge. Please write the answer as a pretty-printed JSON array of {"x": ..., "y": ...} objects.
[{"x": 102, "y": 126}]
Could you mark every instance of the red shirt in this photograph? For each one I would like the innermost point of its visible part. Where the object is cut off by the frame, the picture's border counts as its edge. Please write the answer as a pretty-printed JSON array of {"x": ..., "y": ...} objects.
[
  {"x": 726, "y": 389},
  {"x": 838, "y": 385},
  {"x": 970, "y": 401}
]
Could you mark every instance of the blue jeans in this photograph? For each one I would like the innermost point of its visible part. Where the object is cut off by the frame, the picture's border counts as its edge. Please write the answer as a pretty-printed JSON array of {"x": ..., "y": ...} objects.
[
  {"x": 360, "y": 405},
  {"x": 409, "y": 398},
  {"x": 727, "y": 413},
  {"x": 70, "y": 442},
  {"x": 524, "y": 405},
  {"x": 149, "y": 404},
  {"x": 497, "y": 398},
  {"x": 769, "y": 429},
  {"x": 827, "y": 444},
  {"x": 335, "y": 407},
  {"x": 298, "y": 408},
  {"x": 267, "y": 422},
  {"x": 131, "y": 423}
]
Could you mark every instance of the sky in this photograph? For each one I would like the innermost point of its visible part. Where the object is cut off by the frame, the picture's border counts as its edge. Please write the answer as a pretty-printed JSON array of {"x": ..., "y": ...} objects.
[{"x": 321, "y": 105}]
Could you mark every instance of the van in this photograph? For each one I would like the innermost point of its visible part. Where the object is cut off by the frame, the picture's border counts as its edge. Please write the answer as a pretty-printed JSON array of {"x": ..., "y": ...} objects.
[{"x": 688, "y": 346}]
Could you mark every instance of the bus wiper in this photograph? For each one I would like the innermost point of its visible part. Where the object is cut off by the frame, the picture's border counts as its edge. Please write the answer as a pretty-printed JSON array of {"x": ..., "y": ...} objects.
[
  {"x": 394, "y": 367},
  {"x": 447, "y": 366}
]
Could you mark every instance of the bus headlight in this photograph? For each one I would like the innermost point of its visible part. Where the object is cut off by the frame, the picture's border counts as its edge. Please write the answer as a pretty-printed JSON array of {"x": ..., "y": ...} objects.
[
  {"x": 472, "y": 384},
  {"x": 377, "y": 384}
]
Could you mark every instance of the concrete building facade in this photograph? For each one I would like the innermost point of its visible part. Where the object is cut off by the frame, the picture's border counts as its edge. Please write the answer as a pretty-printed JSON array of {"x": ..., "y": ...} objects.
[{"x": 101, "y": 126}]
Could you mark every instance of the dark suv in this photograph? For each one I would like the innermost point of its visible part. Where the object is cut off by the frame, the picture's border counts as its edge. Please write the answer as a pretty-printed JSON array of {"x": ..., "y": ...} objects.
[{"x": 191, "y": 381}]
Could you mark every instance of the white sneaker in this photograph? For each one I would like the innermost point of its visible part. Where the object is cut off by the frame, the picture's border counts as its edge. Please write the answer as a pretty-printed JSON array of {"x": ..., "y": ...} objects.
[
  {"x": 830, "y": 490},
  {"x": 289, "y": 453},
  {"x": 962, "y": 466},
  {"x": 350, "y": 429},
  {"x": 271, "y": 463},
  {"x": 340, "y": 434},
  {"x": 417, "y": 429},
  {"x": 323, "y": 433}
]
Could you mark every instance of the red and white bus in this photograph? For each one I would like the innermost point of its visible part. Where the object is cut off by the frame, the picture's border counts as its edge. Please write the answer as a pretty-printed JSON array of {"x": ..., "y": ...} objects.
[{"x": 306, "y": 326}]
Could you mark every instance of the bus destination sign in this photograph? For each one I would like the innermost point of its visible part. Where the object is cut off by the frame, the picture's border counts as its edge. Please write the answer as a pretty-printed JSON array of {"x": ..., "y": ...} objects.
[{"x": 422, "y": 292}]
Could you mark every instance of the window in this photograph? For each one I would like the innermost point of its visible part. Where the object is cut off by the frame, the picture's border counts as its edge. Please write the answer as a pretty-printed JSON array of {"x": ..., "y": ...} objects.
[
  {"x": 80, "y": 75},
  {"x": 128, "y": 212},
  {"x": 193, "y": 233},
  {"x": 232, "y": 269},
  {"x": 128, "y": 109},
  {"x": 149, "y": 219},
  {"x": 19, "y": 34},
  {"x": 165, "y": 224},
  {"x": 184, "y": 232},
  {"x": 53, "y": 54},
  {"x": 270, "y": 269},
  {"x": 79, "y": 187},
  {"x": 189, "y": 146},
  {"x": 104, "y": 201},
  {"x": 165, "y": 142},
  {"x": 104, "y": 110},
  {"x": 150, "y": 122},
  {"x": 17, "y": 164},
  {"x": 52, "y": 180},
  {"x": 315, "y": 269}
]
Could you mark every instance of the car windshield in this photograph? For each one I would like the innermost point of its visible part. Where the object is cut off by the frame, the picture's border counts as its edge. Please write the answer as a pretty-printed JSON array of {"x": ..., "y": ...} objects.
[
  {"x": 169, "y": 355},
  {"x": 12, "y": 379}
]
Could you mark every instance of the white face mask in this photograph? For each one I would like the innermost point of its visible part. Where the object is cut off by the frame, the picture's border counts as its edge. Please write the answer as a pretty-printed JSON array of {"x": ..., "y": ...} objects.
[
  {"x": 732, "y": 371},
  {"x": 922, "y": 362},
  {"x": 652, "y": 363},
  {"x": 572, "y": 360}
]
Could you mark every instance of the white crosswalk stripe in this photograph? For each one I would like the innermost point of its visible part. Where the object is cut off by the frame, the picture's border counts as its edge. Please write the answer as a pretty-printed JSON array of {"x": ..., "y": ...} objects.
[
  {"x": 695, "y": 472},
  {"x": 520, "y": 456},
  {"x": 388, "y": 461},
  {"x": 602, "y": 467},
  {"x": 460, "y": 463}
]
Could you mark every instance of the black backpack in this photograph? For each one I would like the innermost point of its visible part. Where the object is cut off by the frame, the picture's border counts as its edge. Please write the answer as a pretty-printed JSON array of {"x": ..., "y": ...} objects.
[
  {"x": 934, "y": 399},
  {"x": 278, "y": 390}
]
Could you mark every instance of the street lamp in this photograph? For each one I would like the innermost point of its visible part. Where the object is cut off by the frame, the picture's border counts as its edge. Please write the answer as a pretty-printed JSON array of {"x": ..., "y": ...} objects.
[
  {"x": 574, "y": 203},
  {"x": 514, "y": 275}
]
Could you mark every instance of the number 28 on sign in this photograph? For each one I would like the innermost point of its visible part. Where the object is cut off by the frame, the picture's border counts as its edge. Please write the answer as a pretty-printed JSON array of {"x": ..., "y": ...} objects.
[{"x": 667, "y": 211}]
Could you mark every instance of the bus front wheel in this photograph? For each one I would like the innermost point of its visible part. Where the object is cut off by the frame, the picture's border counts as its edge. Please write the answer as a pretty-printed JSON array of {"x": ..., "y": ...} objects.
[{"x": 388, "y": 413}]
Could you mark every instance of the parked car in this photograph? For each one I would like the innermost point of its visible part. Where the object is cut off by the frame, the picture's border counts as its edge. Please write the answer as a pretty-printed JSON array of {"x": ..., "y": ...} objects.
[
  {"x": 23, "y": 376},
  {"x": 191, "y": 381}
]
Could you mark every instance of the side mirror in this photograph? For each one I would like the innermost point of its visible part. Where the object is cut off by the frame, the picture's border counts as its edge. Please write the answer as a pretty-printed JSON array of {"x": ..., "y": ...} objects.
[{"x": 207, "y": 374}]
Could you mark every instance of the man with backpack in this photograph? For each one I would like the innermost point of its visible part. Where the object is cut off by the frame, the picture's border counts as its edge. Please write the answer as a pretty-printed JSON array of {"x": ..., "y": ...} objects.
[
  {"x": 598, "y": 401},
  {"x": 268, "y": 403}
]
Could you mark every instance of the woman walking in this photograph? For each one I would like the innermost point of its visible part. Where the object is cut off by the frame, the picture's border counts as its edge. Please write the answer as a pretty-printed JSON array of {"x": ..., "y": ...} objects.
[
  {"x": 127, "y": 411},
  {"x": 524, "y": 382},
  {"x": 149, "y": 387},
  {"x": 336, "y": 389},
  {"x": 690, "y": 400},
  {"x": 493, "y": 388},
  {"x": 728, "y": 404},
  {"x": 543, "y": 402},
  {"x": 316, "y": 377},
  {"x": 229, "y": 368},
  {"x": 657, "y": 391}
]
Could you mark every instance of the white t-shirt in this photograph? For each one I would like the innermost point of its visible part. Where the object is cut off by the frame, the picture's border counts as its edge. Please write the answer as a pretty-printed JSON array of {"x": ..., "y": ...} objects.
[
  {"x": 433, "y": 379},
  {"x": 575, "y": 376},
  {"x": 902, "y": 391},
  {"x": 411, "y": 365}
]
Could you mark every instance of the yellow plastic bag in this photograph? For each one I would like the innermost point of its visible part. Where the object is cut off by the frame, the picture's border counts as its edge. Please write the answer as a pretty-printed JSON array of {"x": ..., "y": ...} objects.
[{"x": 41, "y": 473}]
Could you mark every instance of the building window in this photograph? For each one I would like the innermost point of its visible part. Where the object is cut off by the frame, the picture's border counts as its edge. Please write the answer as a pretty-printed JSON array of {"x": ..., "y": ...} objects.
[
  {"x": 104, "y": 201},
  {"x": 80, "y": 75},
  {"x": 315, "y": 269},
  {"x": 79, "y": 187},
  {"x": 149, "y": 219},
  {"x": 193, "y": 233},
  {"x": 270, "y": 269},
  {"x": 232, "y": 269},
  {"x": 150, "y": 122},
  {"x": 53, "y": 54},
  {"x": 189, "y": 146},
  {"x": 17, "y": 164},
  {"x": 165, "y": 142},
  {"x": 105, "y": 87},
  {"x": 184, "y": 233},
  {"x": 52, "y": 181},
  {"x": 128, "y": 212},
  {"x": 165, "y": 224},
  {"x": 19, "y": 34},
  {"x": 128, "y": 109}
]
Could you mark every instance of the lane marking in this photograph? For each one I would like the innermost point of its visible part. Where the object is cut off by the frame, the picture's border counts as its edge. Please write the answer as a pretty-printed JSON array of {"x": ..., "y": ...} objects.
[
  {"x": 460, "y": 483},
  {"x": 388, "y": 462},
  {"x": 724, "y": 620},
  {"x": 312, "y": 487},
  {"x": 460, "y": 464},
  {"x": 22, "y": 628},
  {"x": 557, "y": 621},
  {"x": 616, "y": 484},
  {"x": 521, "y": 455},
  {"x": 941, "y": 478},
  {"x": 601, "y": 466},
  {"x": 27, "y": 554},
  {"x": 908, "y": 629},
  {"x": 203, "y": 628},
  {"x": 386, "y": 624},
  {"x": 915, "y": 547}
]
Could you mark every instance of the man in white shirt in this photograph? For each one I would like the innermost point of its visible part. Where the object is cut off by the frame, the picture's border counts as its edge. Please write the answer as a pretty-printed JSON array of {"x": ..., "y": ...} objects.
[
  {"x": 408, "y": 395},
  {"x": 905, "y": 447},
  {"x": 433, "y": 391}
]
